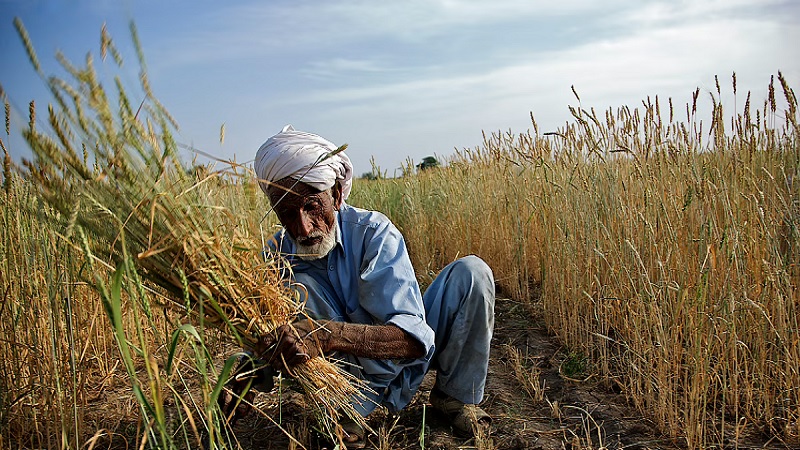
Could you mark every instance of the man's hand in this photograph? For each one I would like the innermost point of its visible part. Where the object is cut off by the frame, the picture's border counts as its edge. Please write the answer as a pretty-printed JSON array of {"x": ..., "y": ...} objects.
[
  {"x": 295, "y": 343},
  {"x": 248, "y": 376},
  {"x": 230, "y": 396}
]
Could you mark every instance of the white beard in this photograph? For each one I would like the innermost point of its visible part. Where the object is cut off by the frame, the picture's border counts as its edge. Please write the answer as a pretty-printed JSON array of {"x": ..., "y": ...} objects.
[{"x": 317, "y": 251}]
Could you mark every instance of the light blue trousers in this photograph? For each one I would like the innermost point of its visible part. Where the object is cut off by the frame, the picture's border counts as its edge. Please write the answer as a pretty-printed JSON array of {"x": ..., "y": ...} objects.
[{"x": 459, "y": 307}]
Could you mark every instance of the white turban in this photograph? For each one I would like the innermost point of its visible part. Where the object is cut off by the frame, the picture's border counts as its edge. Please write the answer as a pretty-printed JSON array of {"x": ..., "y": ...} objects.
[{"x": 300, "y": 155}]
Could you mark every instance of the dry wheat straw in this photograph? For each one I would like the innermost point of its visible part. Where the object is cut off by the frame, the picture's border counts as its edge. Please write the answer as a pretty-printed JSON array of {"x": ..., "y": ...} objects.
[
  {"x": 666, "y": 251},
  {"x": 142, "y": 213}
]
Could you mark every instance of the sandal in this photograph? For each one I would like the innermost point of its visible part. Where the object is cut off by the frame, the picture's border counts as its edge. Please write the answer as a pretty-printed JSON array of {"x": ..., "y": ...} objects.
[{"x": 468, "y": 420}]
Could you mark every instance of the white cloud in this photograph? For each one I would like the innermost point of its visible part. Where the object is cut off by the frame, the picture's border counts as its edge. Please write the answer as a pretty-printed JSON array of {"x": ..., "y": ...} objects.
[
  {"x": 345, "y": 67},
  {"x": 278, "y": 35},
  {"x": 424, "y": 18},
  {"x": 261, "y": 29},
  {"x": 637, "y": 63},
  {"x": 669, "y": 61},
  {"x": 627, "y": 51}
]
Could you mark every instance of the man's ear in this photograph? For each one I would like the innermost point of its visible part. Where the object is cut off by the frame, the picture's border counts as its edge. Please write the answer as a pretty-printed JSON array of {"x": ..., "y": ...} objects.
[{"x": 336, "y": 192}]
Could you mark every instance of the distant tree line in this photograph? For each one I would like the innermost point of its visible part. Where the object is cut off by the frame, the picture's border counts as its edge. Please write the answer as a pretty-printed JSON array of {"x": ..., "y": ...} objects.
[{"x": 428, "y": 162}]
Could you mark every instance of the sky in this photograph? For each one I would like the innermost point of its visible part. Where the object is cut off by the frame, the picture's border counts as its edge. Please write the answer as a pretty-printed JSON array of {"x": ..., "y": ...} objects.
[{"x": 405, "y": 79}]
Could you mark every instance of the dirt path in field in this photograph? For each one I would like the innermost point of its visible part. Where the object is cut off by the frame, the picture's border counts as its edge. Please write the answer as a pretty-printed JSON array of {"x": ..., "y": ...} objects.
[{"x": 571, "y": 414}]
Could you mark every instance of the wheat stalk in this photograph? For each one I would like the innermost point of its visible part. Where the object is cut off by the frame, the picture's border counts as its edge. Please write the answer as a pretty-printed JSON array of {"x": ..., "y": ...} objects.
[{"x": 134, "y": 199}]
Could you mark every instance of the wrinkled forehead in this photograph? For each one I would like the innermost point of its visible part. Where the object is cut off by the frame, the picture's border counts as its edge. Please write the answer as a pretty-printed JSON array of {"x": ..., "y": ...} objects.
[{"x": 290, "y": 190}]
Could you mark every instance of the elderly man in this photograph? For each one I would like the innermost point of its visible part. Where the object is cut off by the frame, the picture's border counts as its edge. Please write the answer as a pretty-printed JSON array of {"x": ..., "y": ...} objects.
[{"x": 360, "y": 282}]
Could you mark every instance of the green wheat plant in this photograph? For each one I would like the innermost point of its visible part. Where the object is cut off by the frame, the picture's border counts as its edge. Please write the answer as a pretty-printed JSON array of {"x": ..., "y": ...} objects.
[{"x": 155, "y": 235}]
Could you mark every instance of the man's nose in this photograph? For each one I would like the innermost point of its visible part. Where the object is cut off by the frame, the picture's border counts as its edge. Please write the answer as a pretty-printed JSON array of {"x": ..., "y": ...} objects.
[{"x": 304, "y": 224}]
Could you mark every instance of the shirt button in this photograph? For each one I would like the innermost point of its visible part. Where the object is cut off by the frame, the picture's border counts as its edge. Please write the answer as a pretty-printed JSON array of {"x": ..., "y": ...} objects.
[{"x": 331, "y": 268}]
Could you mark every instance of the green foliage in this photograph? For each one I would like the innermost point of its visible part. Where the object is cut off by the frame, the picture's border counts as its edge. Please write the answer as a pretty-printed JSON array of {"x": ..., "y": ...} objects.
[
  {"x": 369, "y": 176},
  {"x": 575, "y": 366},
  {"x": 428, "y": 162}
]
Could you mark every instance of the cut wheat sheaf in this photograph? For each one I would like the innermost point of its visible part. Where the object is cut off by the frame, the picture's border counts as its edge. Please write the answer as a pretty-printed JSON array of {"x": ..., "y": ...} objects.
[{"x": 124, "y": 197}]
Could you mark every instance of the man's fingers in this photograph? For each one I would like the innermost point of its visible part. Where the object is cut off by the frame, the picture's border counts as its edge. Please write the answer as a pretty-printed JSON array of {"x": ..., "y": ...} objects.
[
  {"x": 289, "y": 348},
  {"x": 289, "y": 355},
  {"x": 246, "y": 405},
  {"x": 271, "y": 344},
  {"x": 299, "y": 358},
  {"x": 265, "y": 345},
  {"x": 234, "y": 406},
  {"x": 224, "y": 401}
]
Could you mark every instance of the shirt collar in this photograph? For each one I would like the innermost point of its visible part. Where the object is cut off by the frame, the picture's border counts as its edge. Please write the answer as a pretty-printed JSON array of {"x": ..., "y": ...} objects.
[{"x": 338, "y": 229}]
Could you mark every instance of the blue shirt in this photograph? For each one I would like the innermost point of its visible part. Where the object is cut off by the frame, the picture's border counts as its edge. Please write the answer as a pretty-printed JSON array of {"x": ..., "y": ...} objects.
[{"x": 367, "y": 278}]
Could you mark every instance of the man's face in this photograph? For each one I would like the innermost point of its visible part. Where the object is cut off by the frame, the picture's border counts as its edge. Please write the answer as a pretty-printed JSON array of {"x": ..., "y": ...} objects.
[{"x": 308, "y": 215}]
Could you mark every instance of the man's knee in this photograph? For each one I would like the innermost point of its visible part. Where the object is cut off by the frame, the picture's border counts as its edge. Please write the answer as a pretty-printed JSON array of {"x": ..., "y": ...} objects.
[
  {"x": 477, "y": 280},
  {"x": 465, "y": 286},
  {"x": 474, "y": 268}
]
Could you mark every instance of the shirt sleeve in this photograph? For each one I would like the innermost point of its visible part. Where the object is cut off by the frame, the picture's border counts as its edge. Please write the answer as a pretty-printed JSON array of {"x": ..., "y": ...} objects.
[{"x": 388, "y": 288}]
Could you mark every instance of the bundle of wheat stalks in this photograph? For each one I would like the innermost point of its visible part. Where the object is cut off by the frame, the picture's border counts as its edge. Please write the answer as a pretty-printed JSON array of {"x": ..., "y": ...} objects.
[{"x": 123, "y": 194}]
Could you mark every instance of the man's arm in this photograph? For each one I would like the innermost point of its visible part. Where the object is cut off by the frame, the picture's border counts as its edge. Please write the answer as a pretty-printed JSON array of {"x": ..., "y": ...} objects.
[
  {"x": 373, "y": 341},
  {"x": 305, "y": 339}
]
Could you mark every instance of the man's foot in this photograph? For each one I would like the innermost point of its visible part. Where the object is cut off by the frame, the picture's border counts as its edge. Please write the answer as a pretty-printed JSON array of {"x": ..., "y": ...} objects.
[
  {"x": 353, "y": 437},
  {"x": 354, "y": 434},
  {"x": 468, "y": 420}
]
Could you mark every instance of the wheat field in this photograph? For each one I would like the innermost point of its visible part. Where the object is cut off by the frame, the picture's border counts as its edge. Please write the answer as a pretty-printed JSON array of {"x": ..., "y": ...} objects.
[
  {"x": 664, "y": 248},
  {"x": 661, "y": 246}
]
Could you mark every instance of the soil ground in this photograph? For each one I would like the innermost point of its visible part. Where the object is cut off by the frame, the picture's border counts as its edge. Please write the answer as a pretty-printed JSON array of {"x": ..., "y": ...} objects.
[
  {"x": 572, "y": 415},
  {"x": 578, "y": 411}
]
